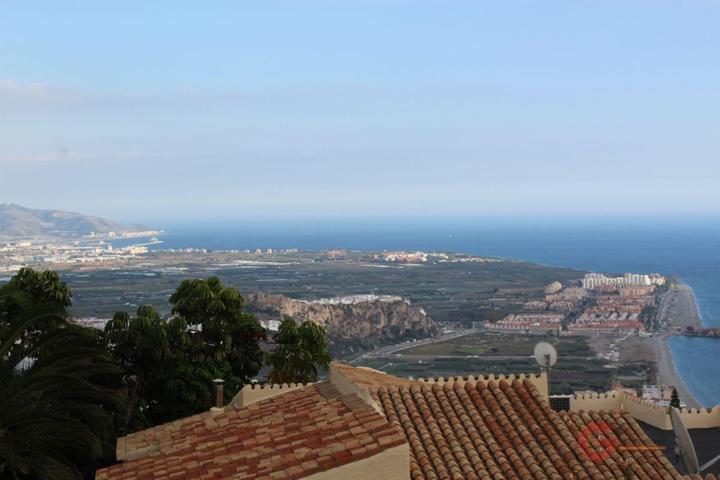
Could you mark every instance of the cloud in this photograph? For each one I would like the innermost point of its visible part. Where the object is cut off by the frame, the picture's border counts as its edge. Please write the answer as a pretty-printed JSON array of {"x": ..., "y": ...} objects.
[
  {"x": 13, "y": 87},
  {"x": 17, "y": 97}
]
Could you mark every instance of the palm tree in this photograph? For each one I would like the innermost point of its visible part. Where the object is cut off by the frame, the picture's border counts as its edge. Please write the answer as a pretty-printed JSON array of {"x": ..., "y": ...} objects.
[
  {"x": 300, "y": 352},
  {"x": 55, "y": 385}
]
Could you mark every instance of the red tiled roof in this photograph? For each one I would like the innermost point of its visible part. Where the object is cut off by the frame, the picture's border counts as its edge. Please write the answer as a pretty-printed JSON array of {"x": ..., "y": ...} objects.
[
  {"x": 506, "y": 430},
  {"x": 456, "y": 430},
  {"x": 292, "y": 435}
]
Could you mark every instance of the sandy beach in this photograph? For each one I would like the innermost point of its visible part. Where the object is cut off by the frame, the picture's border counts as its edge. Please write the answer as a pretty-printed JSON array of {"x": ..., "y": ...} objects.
[{"x": 678, "y": 310}]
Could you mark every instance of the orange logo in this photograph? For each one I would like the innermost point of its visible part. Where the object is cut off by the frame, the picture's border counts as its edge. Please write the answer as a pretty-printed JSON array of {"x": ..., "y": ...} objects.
[{"x": 604, "y": 445}]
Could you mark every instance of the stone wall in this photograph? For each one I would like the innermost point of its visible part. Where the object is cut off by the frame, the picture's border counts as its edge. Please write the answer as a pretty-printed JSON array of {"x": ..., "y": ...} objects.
[
  {"x": 255, "y": 392},
  {"x": 644, "y": 410},
  {"x": 346, "y": 386}
]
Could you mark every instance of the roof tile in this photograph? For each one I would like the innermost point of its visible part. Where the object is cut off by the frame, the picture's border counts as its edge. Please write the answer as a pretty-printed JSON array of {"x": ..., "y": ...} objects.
[{"x": 288, "y": 436}]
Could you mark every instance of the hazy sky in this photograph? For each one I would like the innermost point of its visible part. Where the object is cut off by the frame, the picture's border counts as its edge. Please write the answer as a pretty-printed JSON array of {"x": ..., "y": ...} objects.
[{"x": 180, "y": 110}]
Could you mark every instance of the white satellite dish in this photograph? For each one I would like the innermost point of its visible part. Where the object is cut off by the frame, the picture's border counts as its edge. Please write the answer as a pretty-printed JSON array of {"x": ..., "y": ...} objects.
[
  {"x": 683, "y": 443},
  {"x": 545, "y": 355},
  {"x": 684, "y": 447}
]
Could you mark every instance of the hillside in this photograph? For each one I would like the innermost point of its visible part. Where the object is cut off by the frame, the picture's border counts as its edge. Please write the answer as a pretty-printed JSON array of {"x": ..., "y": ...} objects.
[
  {"x": 19, "y": 221},
  {"x": 350, "y": 321}
]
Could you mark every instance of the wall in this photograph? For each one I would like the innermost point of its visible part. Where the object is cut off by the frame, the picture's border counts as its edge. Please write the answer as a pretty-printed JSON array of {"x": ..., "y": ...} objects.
[
  {"x": 347, "y": 387},
  {"x": 645, "y": 411},
  {"x": 255, "y": 392},
  {"x": 597, "y": 401},
  {"x": 390, "y": 464}
]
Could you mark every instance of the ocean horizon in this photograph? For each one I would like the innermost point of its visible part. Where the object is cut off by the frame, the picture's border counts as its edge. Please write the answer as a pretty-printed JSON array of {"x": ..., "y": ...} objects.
[{"x": 687, "y": 249}]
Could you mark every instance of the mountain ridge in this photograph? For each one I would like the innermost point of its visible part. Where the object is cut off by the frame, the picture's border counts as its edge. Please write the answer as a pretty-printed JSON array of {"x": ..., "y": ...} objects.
[{"x": 19, "y": 221}]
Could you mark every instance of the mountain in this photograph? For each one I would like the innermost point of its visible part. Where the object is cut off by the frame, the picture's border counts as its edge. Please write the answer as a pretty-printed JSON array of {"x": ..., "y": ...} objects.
[
  {"x": 358, "y": 321},
  {"x": 19, "y": 221}
]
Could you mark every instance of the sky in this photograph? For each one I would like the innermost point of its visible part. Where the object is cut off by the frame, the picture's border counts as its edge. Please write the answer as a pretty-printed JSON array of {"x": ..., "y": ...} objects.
[{"x": 165, "y": 111}]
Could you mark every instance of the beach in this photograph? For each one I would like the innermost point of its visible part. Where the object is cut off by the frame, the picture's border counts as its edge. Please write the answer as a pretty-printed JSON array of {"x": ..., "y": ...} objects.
[{"x": 679, "y": 310}]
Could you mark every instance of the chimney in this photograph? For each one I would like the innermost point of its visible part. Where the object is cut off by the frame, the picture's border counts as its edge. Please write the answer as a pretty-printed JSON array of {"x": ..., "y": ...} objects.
[{"x": 219, "y": 392}]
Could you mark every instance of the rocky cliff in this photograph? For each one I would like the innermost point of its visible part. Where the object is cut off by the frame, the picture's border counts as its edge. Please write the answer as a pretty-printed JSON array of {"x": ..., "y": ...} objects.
[{"x": 349, "y": 319}]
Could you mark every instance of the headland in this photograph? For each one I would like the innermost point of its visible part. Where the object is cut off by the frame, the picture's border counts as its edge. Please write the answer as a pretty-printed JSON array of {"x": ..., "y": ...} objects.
[{"x": 678, "y": 310}]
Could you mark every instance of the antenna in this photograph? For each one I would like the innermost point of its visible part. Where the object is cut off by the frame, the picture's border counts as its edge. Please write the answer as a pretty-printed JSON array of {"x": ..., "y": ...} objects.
[
  {"x": 545, "y": 355},
  {"x": 684, "y": 445}
]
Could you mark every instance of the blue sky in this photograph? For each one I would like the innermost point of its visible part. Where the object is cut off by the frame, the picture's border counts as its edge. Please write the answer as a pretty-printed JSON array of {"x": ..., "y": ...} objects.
[{"x": 230, "y": 110}]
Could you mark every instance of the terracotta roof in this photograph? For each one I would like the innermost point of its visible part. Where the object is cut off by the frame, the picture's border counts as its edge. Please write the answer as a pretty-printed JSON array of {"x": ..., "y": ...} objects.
[
  {"x": 456, "y": 429},
  {"x": 293, "y": 435},
  {"x": 506, "y": 430}
]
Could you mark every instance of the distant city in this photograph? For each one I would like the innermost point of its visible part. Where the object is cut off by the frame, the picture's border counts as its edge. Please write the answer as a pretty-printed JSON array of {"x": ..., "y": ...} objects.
[
  {"x": 16, "y": 253},
  {"x": 609, "y": 305}
]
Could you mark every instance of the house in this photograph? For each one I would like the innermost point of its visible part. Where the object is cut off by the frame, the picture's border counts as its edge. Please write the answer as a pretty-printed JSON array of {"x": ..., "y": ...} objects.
[{"x": 366, "y": 424}]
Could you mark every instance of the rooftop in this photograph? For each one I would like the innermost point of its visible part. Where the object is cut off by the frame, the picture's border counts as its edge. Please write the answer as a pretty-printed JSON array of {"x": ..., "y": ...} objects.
[
  {"x": 501, "y": 429},
  {"x": 705, "y": 440},
  {"x": 299, "y": 433},
  {"x": 439, "y": 429}
]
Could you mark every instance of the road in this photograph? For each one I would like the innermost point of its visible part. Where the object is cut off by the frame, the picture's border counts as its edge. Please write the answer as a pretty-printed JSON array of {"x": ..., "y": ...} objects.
[
  {"x": 384, "y": 352},
  {"x": 393, "y": 351}
]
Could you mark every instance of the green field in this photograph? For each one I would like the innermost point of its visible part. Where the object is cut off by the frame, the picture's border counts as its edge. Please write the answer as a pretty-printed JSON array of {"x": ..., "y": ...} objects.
[
  {"x": 449, "y": 292},
  {"x": 576, "y": 369},
  {"x": 565, "y": 377},
  {"x": 493, "y": 344}
]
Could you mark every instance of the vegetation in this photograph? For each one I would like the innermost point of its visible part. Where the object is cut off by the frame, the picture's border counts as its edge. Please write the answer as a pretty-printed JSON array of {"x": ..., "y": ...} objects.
[
  {"x": 67, "y": 392},
  {"x": 170, "y": 365},
  {"x": 461, "y": 293},
  {"x": 502, "y": 344},
  {"x": 675, "y": 399},
  {"x": 579, "y": 374},
  {"x": 57, "y": 395},
  {"x": 649, "y": 317},
  {"x": 301, "y": 350}
]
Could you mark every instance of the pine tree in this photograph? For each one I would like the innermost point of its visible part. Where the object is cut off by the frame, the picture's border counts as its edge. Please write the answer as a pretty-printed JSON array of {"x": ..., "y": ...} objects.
[{"x": 675, "y": 399}]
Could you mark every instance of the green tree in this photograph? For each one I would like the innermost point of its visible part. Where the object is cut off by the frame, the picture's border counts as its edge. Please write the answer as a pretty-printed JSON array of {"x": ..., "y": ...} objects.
[
  {"x": 145, "y": 347},
  {"x": 171, "y": 364},
  {"x": 300, "y": 351},
  {"x": 56, "y": 385},
  {"x": 675, "y": 399}
]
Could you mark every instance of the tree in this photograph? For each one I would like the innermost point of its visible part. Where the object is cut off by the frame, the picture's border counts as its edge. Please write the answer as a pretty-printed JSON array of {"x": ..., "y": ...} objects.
[
  {"x": 56, "y": 385},
  {"x": 675, "y": 398},
  {"x": 301, "y": 350},
  {"x": 145, "y": 347},
  {"x": 170, "y": 364},
  {"x": 221, "y": 332}
]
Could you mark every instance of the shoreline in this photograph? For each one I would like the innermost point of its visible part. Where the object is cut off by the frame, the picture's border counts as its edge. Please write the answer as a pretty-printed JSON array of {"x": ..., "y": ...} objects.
[{"x": 684, "y": 302}]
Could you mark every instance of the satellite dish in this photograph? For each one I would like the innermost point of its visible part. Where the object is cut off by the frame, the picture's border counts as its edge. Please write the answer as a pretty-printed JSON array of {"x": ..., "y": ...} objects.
[
  {"x": 684, "y": 445},
  {"x": 545, "y": 355}
]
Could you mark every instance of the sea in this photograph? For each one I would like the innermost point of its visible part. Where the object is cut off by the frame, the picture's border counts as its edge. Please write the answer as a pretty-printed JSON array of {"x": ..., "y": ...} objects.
[{"x": 688, "y": 248}]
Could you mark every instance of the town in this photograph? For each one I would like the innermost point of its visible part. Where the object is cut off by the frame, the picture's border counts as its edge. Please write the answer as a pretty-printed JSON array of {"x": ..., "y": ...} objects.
[
  {"x": 16, "y": 253},
  {"x": 603, "y": 305}
]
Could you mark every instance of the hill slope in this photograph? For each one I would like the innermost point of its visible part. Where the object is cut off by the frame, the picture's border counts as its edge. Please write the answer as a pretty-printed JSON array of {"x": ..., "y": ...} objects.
[
  {"x": 349, "y": 324},
  {"x": 16, "y": 220}
]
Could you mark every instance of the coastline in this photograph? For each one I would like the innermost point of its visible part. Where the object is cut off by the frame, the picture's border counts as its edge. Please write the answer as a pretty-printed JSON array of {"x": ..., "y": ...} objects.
[{"x": 679, "y": 314}]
